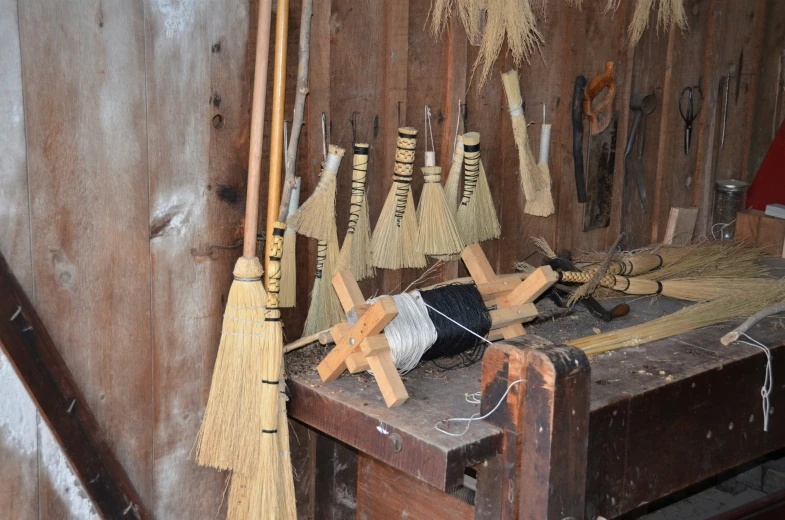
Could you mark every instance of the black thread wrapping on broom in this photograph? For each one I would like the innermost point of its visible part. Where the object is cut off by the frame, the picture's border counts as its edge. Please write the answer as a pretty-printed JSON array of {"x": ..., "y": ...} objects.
[
  {"x": 659, "y": 288},
  {"x": 358, "y": 190},
  {"x": 615, "y": 281},
  {"x": 401, "y": 193},
  {"x": 471, "y": 172},
  {"x": 464, "y": 304},
  {"x": 265, "y": 381},
  {"x": 321, "y": 256},
  {"x": 269, "y": 431}
]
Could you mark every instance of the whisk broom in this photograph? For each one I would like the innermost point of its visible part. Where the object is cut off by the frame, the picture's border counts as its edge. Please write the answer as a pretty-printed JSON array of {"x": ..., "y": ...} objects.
[
  {"x": 535, "y": 182},
  {"x": 228, "y": 437},
  {"x": 476, "y": 217},
  {"x": 325, "y": 310},
  {"x": 394, "y": 241},
  {"x": 453, "y": 184},
  {"x": 355, "y": 254},
  {"x": 288, "y": 296},
  {"x": 316, "y": 217}
]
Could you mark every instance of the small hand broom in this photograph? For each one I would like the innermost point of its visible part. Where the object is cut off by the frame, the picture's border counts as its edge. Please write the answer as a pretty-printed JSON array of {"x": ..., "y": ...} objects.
[
  {"x": 316, "y": 217},
  {"x": 355, "y": 253},
  {"x": 535, "y": 182},
  {"x": 289, "y": 259},
  {"x": 476, "y": 217},
  {"x": 453, "y": 184},
  {"x": 229, "y": 436},
  {"x": 325, "y": 310},
  {"x": 393, "y": 245}
]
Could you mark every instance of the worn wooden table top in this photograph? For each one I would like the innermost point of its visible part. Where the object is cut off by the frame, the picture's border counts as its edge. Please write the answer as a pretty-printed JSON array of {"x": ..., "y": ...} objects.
[{"x": 352, "y": 409}]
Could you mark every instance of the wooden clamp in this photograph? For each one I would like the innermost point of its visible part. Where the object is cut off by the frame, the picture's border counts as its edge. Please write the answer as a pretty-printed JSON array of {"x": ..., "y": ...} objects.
[{"x": 359, "y": 344}]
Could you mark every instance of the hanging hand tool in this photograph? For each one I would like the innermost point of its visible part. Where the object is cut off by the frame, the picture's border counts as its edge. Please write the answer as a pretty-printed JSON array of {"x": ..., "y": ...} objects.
[
  {"x": 690, "y": 114},
  {"x": 603, "y": 126},
  {"x": 725, "y": 117},
  {"x": 642, "y": 108},
  {"x": 577, "y": 136}
]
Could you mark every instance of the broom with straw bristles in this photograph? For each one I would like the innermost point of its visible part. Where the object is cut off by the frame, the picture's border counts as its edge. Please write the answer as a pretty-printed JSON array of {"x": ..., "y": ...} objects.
[
  {"x": 288, "y": 297},
  {"x": 316, "y": 217},
  {"x": 325, "y": 310},
  {"x": 355, "y": 254},
  {"x": 394, "y": 241},
  {"x": 729, "y": 307},
  {"x": 476, "y": 217},
  {"x": 452, "y": 186},
  {"x": 536, "y": 182},
  {"x": 437, "y": 234},
  {"x": 228, "y": 437}
]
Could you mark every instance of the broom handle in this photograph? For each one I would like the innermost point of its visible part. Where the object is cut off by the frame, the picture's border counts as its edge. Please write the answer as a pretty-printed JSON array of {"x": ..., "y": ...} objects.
[
  {"x": 545, "y": 143},
  {"x": 257, "y": 127},
  {"x": 294, "y": 197},
  {"x": 276, "y": 131},
  {"x": 359, "y": 178},
  {"x": 733, "y": 335}
]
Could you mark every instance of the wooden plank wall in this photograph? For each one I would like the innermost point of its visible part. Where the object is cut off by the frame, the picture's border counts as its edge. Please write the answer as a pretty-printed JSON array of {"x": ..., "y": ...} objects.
[{"x": 124, "y": 155}]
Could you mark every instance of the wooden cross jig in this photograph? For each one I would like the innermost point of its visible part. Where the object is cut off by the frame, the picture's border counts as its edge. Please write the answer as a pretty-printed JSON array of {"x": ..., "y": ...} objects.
[{"x": 360, "y": 344}]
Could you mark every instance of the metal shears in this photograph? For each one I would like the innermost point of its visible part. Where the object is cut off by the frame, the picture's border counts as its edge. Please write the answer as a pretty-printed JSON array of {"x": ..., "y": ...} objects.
[{"x": 690, "y": 114}]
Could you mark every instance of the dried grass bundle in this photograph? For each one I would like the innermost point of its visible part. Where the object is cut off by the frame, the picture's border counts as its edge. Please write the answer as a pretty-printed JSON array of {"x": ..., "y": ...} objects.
[
  {"x": 670, "y": 13},
  {"x": 289, "y": 500},
  {"x": 356, "y": 249},
  {"x": 535, "y": 181},
  {"x": 316, "y": 217},
  {"x": 289, "y": 258},
  {"x": 438, "y": 233},
  {"x": 730, "y": 307},
  {"x": 394, "y": 241},
  {"x": 476, "y": 217},
  {"x": 325, "y": 310},
  {"x": 453, "y": 184}
]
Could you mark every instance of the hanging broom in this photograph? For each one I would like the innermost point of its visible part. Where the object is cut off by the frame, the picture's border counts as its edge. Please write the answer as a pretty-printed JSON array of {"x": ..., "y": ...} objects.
[
  {"x": 316, "y": 217},
  {"x": 535, "y": 182},
  {"x": 476, "y": 217},
  {"x": 288, "y": 297},
  {"x": 730, "y": 307},
  {"x": 355, "y": 253},
  {"x": 325, "y": 310},
  {"x": 228, "y": 437},
  {"x": 670, "y": 13},
  {"x": 437, "y": 233},
  {"x": 453, "y": 184},
  {"x": 394, "y": 241}
]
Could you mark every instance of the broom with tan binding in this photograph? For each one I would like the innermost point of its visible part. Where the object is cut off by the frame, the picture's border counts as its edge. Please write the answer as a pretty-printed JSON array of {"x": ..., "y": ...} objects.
[
  {"x": 453, "y": 184},
  {"x": 355, "y": 255},
  {"x": 229, "y": 437},
  {"x": 476, "y": 216}
]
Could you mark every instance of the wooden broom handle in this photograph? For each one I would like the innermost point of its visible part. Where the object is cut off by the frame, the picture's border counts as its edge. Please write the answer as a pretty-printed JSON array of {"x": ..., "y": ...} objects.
[
  {"x": 257, "y": 128},
  {"x": 276, "y": 131}
]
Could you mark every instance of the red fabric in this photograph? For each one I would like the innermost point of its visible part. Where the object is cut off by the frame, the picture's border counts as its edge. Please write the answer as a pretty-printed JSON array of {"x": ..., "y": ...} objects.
[{"x": 769, "y": 184}]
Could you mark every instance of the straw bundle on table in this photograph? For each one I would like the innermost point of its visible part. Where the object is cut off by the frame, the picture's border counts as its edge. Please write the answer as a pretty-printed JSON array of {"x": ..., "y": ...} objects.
[
  {"x": 476, "y": 217},
  {"x": 355, "y": 252},
  {"x": 438, "y": 234},
  {"x": 316, "y": 217},
  {"x": 730, "y": 307}
]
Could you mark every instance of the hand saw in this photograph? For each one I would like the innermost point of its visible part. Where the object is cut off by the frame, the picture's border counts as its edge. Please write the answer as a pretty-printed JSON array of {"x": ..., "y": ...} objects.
[{"x": 601, "y": 154}]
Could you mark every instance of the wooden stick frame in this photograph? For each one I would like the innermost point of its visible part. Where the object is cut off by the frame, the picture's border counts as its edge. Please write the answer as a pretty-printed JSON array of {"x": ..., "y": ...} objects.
[{"x": 360, "y": 344}]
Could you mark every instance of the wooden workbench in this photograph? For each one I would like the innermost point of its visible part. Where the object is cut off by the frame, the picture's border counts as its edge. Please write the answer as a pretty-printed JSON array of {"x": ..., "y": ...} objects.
[{"x": 579, "y": 438}]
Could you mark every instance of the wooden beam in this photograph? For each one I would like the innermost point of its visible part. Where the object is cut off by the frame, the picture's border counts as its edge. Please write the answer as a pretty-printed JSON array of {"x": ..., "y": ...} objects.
[
  {"x": 51, "y": 385},
  {"x": 532, "y": 288},
  {"x": 681, "y": 226}
]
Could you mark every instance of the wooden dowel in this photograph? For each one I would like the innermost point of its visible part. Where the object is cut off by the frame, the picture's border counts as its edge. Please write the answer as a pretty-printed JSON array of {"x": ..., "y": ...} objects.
[{"x": 733, "y": 335}]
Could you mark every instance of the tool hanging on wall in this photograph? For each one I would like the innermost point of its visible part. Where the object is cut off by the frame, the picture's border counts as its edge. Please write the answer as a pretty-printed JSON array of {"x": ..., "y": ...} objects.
[
  {"x": 288, "y": 296},
  {"x": 545, "y": 147},
  {"x": 453, "y": 184},
  {"x": 642, "y": 108},
  {"x": 437, "y": 233},
  {"x": 230, "y": 434},
  {"x": 601, "y": 155},
  {"x": 355, "y": 252},
  {"x": 577, "y": 136},
  {"x": 394, "y": 241},
  {"x": 694, "y": 96},
  {"x": 535, "y": 182},
  {"x": 325, "y": 309},
  {"x": 476, "y": 216},
  {"x": 725, "y": 104}
]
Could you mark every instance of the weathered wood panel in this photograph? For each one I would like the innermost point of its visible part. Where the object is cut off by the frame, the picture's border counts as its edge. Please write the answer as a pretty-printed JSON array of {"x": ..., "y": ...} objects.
[{"x": 84, "y": 91}]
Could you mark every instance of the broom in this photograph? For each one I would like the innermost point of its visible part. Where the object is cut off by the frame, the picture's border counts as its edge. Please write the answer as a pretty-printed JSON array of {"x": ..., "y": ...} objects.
[
  {"x": 476, "y": 216},
  {"x": 535, "y": 182},
  {"x": 325, "y": 310},
  {"x": 453, "y": 184},
  {"x": 437, "y": 234},
  {"x": 228, "y": 436},
  {"x": 393, "y": 245},
  {"x": 730, "y": 307},
  {"x": 355, "y": 255},
  {"x": 288, "y": 296},
  {"x": 316, "y": 217}
]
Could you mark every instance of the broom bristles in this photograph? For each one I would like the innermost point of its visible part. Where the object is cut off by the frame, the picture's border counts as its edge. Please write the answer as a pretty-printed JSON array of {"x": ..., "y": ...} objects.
[
  {"x": 325, "y": 309},
  {"x": 288, "y": 296},
  {"x": 453, "y": 184},
  {"x": 438, "y": 234},
  {"x": 476, "y": 217},
  {"x": 228, "y": 420},
  {"x": 316, "y": 217},
  {"x": 288, "y": 495},
  {"x": 394, "y": 241},
  {"x": 355, "y": 252}
]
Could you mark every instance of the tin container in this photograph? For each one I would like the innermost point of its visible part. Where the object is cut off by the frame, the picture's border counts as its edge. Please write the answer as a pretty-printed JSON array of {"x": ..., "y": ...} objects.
[{"x": 729, "y": 198}]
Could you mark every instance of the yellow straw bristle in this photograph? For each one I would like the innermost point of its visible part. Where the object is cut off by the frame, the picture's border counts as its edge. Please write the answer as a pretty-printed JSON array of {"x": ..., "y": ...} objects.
[
  {"x": 316, "y": 217},
  {"x": 355, "y": 253},
  {"x": 289, "y": 258},
  {"x": 476, "y": 217},
  {"x": 394, "y": 241},
  {"x": 438, "y": 234},
  {"x": 325, "y": 310},
  {"x": 288, "y": 498},
  {"x": 225, "y": 438}
]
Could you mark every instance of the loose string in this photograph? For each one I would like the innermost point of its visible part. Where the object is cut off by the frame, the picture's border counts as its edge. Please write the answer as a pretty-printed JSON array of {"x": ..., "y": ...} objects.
[
  {"x": 476, "y": 416},
  {"x": 768, "y": 379}
]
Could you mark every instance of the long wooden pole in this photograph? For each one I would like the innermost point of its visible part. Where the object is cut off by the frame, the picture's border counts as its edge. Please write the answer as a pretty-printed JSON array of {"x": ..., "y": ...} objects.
[
  {"x": 276, "y": 132},
  {"x": 257, "y": 128}
]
